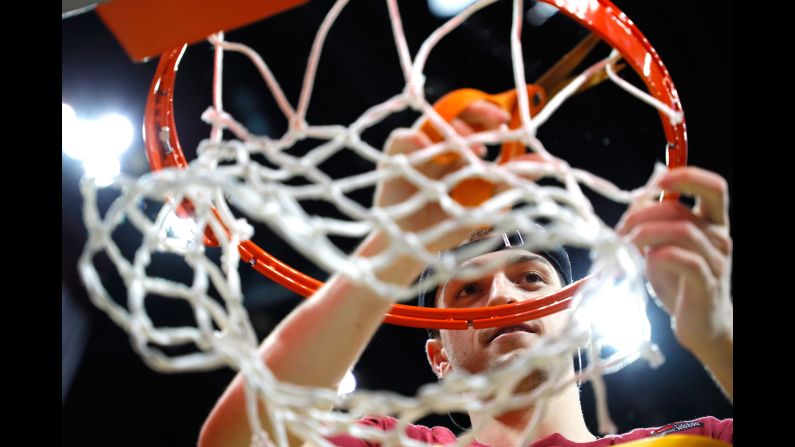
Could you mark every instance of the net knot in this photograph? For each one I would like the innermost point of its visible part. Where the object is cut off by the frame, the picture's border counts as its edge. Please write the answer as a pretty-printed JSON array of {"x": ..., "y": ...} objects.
[
  {"x": 298, "y": 126},
  {"x": 414, "y": 93},
  {"x": 215, "y": 117}
]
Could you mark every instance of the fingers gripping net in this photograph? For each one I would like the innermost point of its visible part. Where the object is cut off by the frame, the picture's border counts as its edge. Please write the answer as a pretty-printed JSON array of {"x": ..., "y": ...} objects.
[{"x": 227, "y": 170}]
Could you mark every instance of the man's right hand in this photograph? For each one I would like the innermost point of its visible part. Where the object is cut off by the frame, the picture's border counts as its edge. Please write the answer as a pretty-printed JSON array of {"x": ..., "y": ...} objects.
[{"x": 479, "y": 116}]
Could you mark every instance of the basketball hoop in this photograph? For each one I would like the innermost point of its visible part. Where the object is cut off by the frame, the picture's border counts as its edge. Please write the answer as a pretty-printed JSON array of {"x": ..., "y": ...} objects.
[{"x": 225, "y": 171}]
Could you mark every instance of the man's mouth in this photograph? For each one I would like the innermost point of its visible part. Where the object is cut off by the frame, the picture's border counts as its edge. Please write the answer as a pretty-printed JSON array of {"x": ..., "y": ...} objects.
[{"x": 531, "y": 327}]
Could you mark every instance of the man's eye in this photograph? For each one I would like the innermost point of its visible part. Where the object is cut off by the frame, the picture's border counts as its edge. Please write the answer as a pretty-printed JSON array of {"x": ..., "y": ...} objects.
[
  {"x": 468, "y": 290},
  {"x": 532, "y": 277}
]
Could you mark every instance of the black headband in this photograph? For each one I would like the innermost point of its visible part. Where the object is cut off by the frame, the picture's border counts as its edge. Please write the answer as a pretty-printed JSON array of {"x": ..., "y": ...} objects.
[{"x": 558, "y": 257}]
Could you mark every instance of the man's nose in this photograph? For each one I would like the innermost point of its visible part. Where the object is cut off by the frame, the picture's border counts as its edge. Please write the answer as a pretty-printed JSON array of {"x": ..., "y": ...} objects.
[{"x": 502, "y": 290}]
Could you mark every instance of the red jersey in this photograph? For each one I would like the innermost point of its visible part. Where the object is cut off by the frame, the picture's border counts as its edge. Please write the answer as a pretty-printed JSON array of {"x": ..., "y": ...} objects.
[{"x": 707, "y": 426}]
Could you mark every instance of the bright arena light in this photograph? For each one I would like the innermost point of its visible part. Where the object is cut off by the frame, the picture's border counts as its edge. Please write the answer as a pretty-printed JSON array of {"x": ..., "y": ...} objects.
[
  {"x": 68, "y": 114},
  {"x": 113, "y": 133},
  {"x": 97, "y": 143},
  {"x": 69, "y": 131},
  {"x": 102, "y": 169},
  {"x": 348, "y": 384},
  {"x": 448, "y": 8},
  {"x": 618, "y": 318}
]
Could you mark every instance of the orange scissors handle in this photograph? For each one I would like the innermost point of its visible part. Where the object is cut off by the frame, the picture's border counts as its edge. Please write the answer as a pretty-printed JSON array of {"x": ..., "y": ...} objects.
[{"x": 473, "y": 192}]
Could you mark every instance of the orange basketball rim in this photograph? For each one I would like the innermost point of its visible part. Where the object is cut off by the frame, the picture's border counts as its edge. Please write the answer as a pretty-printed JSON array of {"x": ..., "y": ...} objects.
[{"x": 601, "y": 17}]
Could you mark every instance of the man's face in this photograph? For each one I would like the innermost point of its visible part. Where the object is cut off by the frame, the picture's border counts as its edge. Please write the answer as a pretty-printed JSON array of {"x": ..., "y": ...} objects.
[{"x": 524, "y": 276}]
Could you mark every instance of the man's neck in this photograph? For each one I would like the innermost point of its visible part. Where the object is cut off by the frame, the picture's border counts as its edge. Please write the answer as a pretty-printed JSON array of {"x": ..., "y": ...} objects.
[{"x": 563, "y": 415}]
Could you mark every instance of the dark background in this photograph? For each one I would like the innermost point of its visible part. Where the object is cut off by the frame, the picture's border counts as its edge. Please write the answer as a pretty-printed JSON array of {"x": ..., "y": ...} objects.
[{"x": 110, "y": 396}]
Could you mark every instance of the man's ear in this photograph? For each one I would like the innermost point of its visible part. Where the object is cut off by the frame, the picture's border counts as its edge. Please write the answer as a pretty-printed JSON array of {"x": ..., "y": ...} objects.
[{"x": 437, "y": 357}]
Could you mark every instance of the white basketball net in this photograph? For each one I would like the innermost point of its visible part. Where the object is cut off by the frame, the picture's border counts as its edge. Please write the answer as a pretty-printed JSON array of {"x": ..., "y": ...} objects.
[{"x": 224, "y": 170}]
